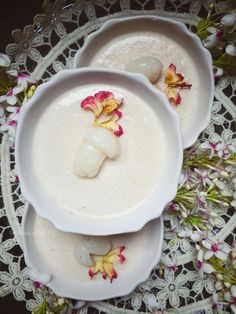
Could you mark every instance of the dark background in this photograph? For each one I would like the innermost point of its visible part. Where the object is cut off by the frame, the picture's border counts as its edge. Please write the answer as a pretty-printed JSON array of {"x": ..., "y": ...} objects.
[
  {"x": 16, "y": 14},
  {"x": 13, "y": 15}
]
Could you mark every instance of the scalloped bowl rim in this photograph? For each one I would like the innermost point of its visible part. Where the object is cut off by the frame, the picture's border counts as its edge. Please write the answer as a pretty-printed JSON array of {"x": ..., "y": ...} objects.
[
  {"x": 190, "y": 137},
  {"x": 81, "y": 292},
  {"x": 130, "y": 221}
]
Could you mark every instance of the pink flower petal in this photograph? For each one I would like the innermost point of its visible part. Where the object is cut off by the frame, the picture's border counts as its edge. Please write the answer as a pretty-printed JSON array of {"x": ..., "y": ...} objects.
[
  {"x": 122, "y": 258},
  {"x": 88, "y": 102},
  {"x": 119, "y": 132},
  {"x": 103, "y": 95},
  {"x": 91, "y": 273},
  {"x": 37, "y": 284},
  {"x": 118, "y": 113}
]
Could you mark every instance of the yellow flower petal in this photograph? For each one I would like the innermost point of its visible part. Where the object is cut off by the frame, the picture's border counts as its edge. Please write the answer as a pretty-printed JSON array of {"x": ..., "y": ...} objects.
[
  {"x": 173, "y": 95},
  {"x": 174, "y": 80},
  {"x": 104, "y": 104},
  {"x": 104, "y": 265},
  {"x": 110, "y": 124},
  {"x": 171, "y": 77},
  {"x": 109, "y": 106}
]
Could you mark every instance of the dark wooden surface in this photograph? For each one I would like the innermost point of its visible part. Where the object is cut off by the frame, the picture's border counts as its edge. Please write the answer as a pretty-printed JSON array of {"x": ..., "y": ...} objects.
[{"x": 15, "y": 14}]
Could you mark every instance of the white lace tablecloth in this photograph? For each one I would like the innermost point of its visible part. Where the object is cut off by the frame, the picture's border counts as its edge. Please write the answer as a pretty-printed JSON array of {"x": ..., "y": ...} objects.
[{"x": 48, "y": 46}]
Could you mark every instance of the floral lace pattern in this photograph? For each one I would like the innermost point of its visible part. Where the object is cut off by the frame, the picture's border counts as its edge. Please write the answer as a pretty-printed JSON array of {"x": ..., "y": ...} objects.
[{"x": 48, "y": 46}]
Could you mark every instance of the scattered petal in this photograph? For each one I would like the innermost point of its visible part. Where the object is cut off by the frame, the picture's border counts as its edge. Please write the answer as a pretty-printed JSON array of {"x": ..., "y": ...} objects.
[{"x": 174, "y": 80}]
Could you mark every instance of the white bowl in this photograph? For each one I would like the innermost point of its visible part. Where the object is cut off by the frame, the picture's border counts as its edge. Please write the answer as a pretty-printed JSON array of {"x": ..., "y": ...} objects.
[
  {"x": 122, "y": 40},
  {"x": 42, "y": 174},
  {"x": 48, "y": 251}
]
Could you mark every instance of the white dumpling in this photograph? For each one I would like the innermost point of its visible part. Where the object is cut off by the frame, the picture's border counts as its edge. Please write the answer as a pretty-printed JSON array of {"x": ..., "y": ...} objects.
[
  {"x": 98, "y": 144},
  {"x": 149, "y": 66},
  {"x": 89, "y": 245},
  {"x": 88, "y": 160},
  {"x": 104, "y": 140}
]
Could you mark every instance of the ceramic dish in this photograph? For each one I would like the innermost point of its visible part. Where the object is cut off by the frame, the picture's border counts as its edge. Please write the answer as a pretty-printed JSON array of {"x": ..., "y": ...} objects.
[
  {"x": 128, "y": 191},
  {"x": 121, "y": 41},
  {"x": 48, "y": 251}
]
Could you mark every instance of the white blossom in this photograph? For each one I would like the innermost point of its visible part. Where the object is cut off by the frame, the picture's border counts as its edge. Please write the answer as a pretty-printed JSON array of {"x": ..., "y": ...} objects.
[
  {"x": 39, "y": 279},
  {"x": 213, "y": 146},
  {"x": 4, "y": 60},
  {"x": 204, "y": 176},
  {"x": 218, "y": 72},
  {"x": 22, "y": 78},
  {"x": 202, "y": 266},
  {"x": 186, "y": 179},
  {"x": 231, "y": 50},
  {"x": 212, "y": 40},
  {"x": 215, "y": 248},
  {"x": 170, "y": 262},
  {"x": 10, "y": 123},
  {"x": 10, "y": 96},
  {"x": 231, "y": 298},
  {"x": 228, "y": 20}
]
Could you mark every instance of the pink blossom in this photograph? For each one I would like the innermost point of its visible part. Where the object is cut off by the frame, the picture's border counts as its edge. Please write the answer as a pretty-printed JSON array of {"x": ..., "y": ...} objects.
[
  {"x": 213, "y": 146},
  {"x": 231, "y": 50},
  {"x": 215, "y": 248},
  {"x": 170, "y": 263},
  {"x": 202, "y": 266},
  {"x": 231, "y": 298},
  {"x": 229, "y": 20},
  {"x": 22, "y": 78},
  {"x": 10, "y": 96},
  {"x": 218, "y": 72},
  {"x": 212, "y": 40},
  {"x": 37, "y": 284}
]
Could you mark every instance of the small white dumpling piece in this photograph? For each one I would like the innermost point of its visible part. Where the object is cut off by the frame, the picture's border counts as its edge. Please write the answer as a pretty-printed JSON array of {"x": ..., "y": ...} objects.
[
  {"x": 149, "y": 66},
  {"x": 98, "y": 144},
  {"x": 88, "y": 245},
  {"x": 88, "y": 160}
]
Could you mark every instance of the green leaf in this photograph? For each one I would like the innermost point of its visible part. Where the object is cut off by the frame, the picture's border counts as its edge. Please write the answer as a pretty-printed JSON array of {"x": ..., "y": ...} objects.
[
  {"x": 227, "y": 63},
  {"x": 202, "y": 28},
  {"x": 195, "y": 221}
]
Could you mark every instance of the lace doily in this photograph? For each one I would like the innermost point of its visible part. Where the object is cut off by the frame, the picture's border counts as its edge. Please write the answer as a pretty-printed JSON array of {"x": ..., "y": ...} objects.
[{"x": 48, "y": 46}]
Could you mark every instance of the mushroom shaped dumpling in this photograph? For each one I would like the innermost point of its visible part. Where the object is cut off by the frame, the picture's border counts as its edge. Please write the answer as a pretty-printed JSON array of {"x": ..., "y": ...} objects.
[
  {"x": 88, "y": 245},
  {"x": 98, "y": 143},
  {"x": 151, "y": 67}
]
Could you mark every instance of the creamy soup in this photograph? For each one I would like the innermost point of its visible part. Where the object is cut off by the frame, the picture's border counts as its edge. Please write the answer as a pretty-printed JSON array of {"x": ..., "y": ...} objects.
[
  {"x": 123, "y": 183},
  {"x": 123, "y": 49},
  {"x": 53, "y": 245}
]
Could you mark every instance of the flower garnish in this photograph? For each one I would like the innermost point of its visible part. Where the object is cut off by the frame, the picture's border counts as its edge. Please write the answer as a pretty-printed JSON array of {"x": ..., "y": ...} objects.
[
  {"x": 111, "y": 122},
  {"x": 104, "y": 106},
  {"x": 104, "y": 264},
  {"x": 174, "y": 80},
  {"x": 92, "y": 104}
]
